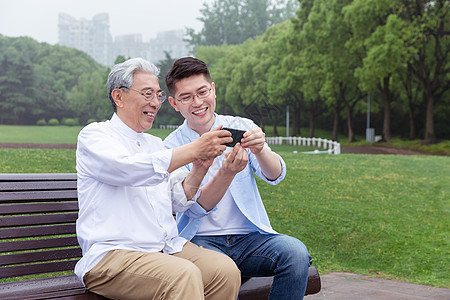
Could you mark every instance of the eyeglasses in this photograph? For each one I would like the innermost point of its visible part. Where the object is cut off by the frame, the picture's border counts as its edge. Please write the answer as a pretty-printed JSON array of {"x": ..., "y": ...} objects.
[
  {"x": 201, "y": 94},
  {"x": 149, "y": 94}
]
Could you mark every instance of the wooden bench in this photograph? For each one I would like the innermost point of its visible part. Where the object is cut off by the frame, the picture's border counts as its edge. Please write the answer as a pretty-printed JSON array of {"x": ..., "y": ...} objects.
[{"x": 38, "y": 236}]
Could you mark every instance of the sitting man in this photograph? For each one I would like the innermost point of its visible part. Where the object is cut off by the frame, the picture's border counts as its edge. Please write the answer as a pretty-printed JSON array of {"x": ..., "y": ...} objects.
[
  {"x": 239, "y": 226},
  {"x": 128, "y": 186}
]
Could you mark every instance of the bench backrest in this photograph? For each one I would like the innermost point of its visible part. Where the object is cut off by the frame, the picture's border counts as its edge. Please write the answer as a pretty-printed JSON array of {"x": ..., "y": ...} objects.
[{"x": 37, "y": 224}]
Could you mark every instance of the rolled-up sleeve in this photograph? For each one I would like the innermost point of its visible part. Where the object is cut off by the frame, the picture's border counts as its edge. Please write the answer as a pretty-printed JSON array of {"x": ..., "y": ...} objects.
[
  {"x": 179, "y": 201},
  {"x": 256, "y": 167}
]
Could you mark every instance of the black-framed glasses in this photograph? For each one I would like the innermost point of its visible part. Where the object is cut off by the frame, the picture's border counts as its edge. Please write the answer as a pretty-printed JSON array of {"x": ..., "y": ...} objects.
[
  {"x": 201, "y": 94},
  {"x": 149, "y": 94}
]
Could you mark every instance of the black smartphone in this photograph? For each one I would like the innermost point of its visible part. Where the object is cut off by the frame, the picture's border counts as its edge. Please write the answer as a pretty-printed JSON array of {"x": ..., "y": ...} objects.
[{"x": 236, "y": 134}]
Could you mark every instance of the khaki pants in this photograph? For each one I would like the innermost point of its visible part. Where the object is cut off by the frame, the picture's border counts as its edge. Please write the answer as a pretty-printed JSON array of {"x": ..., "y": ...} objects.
[{"x": 193, "y": 273}]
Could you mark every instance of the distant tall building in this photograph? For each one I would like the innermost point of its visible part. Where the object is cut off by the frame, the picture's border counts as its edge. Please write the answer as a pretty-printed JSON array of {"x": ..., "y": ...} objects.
[
  {"x": 93, "y": 37},
  {"x": 90, "y": 36},
  {"x": 170, "y": 41},
  {"x": 130, "y": 45}
]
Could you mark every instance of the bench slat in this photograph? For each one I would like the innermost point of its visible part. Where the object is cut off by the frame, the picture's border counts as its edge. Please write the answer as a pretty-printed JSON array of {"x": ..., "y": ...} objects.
[
  {"x": 42, "y": 268},
  {"x": 38, "y": 207},
  {"x": 37, "y": 185},
  {"x": 38, "y": 220},
  {"x": 39, "y": 256},
  {"x": 38, "y": 244},
  {"x": 7, "y": 197},
  {"x": 22, "y": 232},
  {"x": 65, "y": 287},
  {"x": 37, "y": 176}
]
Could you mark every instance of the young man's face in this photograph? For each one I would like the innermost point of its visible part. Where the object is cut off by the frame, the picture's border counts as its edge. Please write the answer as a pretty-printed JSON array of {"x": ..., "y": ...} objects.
[
  {"x": 133, "y": 108},
  {"x": 200, "y": 112}
]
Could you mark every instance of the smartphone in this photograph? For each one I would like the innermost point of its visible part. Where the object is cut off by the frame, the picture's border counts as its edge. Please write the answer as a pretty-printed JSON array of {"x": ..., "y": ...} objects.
[{"x": 236, "y": 134}]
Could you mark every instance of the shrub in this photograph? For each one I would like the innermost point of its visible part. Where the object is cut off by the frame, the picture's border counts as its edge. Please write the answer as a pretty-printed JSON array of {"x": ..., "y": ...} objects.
[
  {"x": 91, "y": 121},
  {"x": 41, "y": 122},
  {"x": 53, "y": 122},
  {"x": 69, "y": 122}
]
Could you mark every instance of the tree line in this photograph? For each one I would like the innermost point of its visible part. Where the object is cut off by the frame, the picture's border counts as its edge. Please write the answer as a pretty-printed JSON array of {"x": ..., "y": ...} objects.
[
  {"x": 39, "y": 81},
  {"x": 326, "y": 61},
  {"x": 320, "y": 59}
]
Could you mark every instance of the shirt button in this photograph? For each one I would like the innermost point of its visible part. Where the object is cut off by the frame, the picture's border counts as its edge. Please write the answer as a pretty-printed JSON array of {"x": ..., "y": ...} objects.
[{"x": 138, "y": 143}]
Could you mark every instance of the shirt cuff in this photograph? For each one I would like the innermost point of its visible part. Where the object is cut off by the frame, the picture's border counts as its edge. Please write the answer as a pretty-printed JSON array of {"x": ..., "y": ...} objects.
[
  {"x": 196, "y": 196},
  {"x": 161, "y": 160},
  {"x": 196, "y": 211},
  {"x": 282, "y": 175}
]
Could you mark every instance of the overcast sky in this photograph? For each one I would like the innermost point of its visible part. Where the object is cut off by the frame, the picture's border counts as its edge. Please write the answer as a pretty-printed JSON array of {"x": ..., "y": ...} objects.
[{"x": 39, "y": 18}]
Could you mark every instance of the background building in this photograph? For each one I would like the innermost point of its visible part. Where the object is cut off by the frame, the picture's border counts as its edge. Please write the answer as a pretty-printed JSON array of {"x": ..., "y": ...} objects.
[
  {"x": 90, "y": 36},
  {"x": 129, "y": 45},
  {"x": 171, "y": 42},
  {"x": 93, "y": 37}
]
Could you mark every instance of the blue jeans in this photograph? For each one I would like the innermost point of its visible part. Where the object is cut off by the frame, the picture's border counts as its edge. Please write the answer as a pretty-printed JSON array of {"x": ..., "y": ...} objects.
[{"x": 258, "y": 255}]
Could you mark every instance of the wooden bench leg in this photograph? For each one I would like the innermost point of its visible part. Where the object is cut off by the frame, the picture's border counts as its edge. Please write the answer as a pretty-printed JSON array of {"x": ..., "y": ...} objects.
[{"x": 314, "y": 285}]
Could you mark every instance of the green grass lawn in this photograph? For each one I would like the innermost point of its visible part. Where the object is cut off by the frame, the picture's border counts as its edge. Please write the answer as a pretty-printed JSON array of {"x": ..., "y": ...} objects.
[
  {"x": 68, "y": 135},
  {"x": 50, "y": 134},
  {"x": 382, "y": 215}
]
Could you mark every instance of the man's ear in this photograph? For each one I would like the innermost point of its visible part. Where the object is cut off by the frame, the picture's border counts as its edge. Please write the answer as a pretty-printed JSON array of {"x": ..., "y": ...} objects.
[
  {"x": 174, "y": 103},
  {"x": 117, "y": 97}
]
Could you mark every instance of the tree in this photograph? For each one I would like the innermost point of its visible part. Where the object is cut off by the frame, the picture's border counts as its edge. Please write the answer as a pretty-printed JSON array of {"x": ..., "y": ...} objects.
[
  {"x": 379, "y": 48},
  {"x": 88, "y": 99},
  {"x": 16, "y": 84},
  {"x": 233, "y": 22},
  {"x": 327, "y": 67},
  {"x": 335, "y": 52},
  {"x": 429, "y": 28},
  {"x": 35, "y": 79}
]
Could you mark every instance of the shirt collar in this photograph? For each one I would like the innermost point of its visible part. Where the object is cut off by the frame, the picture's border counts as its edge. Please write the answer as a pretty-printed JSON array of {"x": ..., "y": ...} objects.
[
  {"x": 122, "y": 128},
  {"x": 191, "y": 134}
]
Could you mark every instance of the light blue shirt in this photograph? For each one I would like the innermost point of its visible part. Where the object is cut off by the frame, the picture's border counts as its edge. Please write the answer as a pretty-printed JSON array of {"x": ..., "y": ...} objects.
[{"x": 243, "y": 188}]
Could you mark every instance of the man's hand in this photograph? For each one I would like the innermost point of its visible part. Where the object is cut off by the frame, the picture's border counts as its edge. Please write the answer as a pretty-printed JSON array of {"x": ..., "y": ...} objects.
[
  {"x": 211, "y": 144},
  {"x": 254, "y": 140},
  {"x": 235, "y": 160},
  {"x": 203, "y": 163}
]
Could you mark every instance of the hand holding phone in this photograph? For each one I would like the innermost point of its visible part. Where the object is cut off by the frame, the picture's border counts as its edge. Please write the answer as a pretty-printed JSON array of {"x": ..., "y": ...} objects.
[{"x": 236, "y": 134}]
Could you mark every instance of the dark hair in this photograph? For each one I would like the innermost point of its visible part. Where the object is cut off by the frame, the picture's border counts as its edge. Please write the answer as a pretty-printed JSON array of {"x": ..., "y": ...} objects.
[{"x": 183, "y": 68}]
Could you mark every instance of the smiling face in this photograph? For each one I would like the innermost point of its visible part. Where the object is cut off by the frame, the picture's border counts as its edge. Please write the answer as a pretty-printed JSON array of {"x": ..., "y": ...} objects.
[
  {"x": 200, "y": 113},
  {"x": 132, "y": 107}
]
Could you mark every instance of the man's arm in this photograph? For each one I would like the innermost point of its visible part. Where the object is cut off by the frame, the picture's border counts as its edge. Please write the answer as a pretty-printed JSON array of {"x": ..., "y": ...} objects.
[
  {"x": 213, "y": 191},
  {"x": 269, "y": 162},
  {"x": 209, "y": 145},
  {"x": 194, "y": 178}
]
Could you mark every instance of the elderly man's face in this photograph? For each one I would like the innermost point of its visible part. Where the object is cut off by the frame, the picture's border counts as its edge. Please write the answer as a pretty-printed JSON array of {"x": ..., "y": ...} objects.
[{"x": 133, "y": 108}]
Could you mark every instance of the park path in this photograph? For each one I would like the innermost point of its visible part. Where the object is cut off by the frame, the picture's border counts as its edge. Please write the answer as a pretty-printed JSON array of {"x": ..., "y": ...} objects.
[{"x": 349, "y": 286}]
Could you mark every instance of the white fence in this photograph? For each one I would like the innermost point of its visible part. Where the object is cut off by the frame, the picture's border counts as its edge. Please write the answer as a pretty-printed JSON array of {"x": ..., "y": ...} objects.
[
  {"x": 331, "y": 146},
  {"x": 171, "y": 127},
  {"x": 328, "y": 145}
]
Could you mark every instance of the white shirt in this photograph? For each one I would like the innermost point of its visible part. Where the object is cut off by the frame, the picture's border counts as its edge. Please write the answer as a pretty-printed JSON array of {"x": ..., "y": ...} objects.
[
  {"x": 227, "y": 218},
  {"x": 243, "y": 189},
  {"x": 125, "y": 194}
]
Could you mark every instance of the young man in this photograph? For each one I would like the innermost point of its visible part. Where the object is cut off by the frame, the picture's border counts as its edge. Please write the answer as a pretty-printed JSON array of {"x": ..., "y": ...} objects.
[
  {"x": 238, "y": 226},
  {"x": 128, "y": 185}
]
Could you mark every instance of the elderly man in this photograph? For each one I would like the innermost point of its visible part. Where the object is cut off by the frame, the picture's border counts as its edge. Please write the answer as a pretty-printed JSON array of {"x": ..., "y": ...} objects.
[{"x": 128, "y": 186}]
